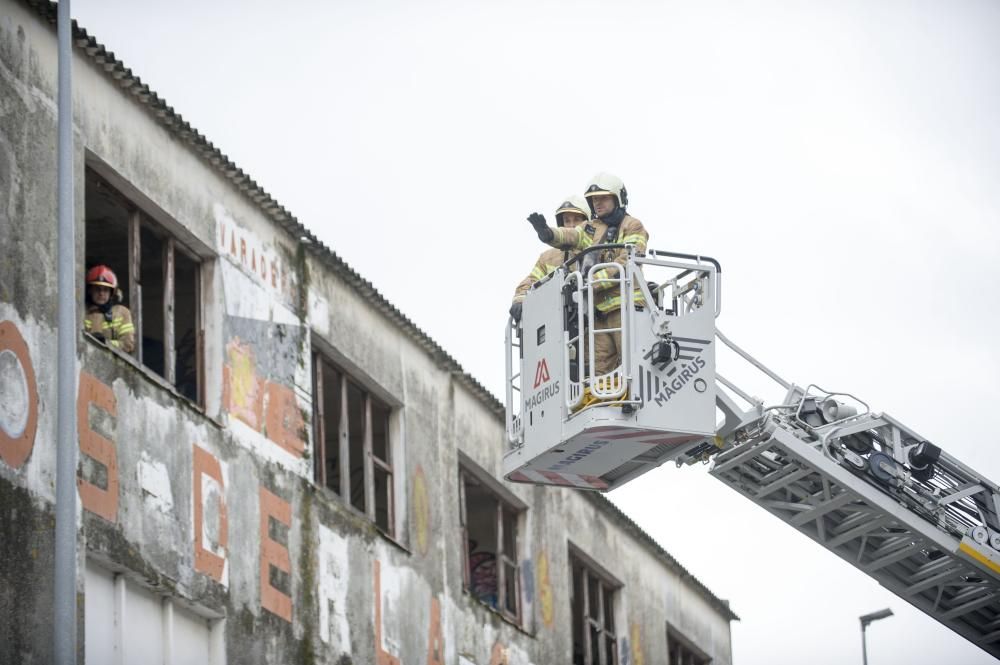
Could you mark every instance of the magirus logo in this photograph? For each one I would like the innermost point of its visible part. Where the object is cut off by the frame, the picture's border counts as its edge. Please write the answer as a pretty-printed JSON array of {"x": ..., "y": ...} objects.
[
  {"x": 542, "y": 376},
  {"x": 541, "y": 373},
  {"x": 684, "y": 372}
]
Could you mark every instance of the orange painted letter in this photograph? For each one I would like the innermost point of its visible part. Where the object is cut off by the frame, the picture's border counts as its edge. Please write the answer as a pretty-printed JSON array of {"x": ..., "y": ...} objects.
[
  {"x": 19, "y": 420},
  {"x": 435, "y": 644},
  {"x": 205, "y": 560},
  {"x": 382, "y": 657},
  {"x": 102, "y": 502},
  {"x": 285, "y": 425},
  {"x": 273, "y": 553}
]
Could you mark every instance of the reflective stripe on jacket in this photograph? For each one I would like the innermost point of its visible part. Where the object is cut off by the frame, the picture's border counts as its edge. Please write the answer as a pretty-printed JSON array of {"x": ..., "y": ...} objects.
[
  {"x": 630, "y": 231},
  {"x": 547, "y": 263},
  {"x": 119, "y": 332}
]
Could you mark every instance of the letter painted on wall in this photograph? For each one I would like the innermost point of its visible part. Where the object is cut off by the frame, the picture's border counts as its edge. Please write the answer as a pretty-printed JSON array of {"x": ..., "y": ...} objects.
[
  {"x": 421, "y": 510},
  {"x": 382, "y": 657},
  {"x": 435, "y": 642},
  {"x": 209, "y": 490},
  {"x": 498, "y": 656},
  {"x": 18, "y": 397},
  {"x": 285, "y": 425},
  {"x": 274, "y": 554},
  {"x": 102, "y": 501},
  {"x": 545, "y": 589}
]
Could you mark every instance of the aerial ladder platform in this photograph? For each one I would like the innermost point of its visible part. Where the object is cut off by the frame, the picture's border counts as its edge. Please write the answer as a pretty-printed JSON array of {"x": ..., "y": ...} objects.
[{"x": 860, "y": 483}]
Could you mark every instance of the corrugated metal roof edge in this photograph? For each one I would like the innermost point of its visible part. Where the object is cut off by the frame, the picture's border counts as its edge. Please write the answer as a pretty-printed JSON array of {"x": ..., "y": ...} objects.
[{"x": 173, "y": 121}]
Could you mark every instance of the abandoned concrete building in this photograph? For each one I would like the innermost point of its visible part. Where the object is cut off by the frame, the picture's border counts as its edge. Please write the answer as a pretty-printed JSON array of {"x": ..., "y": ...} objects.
[{"x": 285, "y": 469}]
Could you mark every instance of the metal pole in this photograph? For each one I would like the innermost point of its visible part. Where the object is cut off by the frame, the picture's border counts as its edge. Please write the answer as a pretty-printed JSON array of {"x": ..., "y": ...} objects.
[
  {"x": 64, "y": 605},
  {"x": 864, "y": 645}
]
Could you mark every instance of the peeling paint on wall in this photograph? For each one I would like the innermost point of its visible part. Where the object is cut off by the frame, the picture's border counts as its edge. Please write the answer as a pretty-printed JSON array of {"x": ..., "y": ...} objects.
[
  {"x": 243, "y": 393},
  {"x": 334, "y": 569},
  {"x": 154, "y": 480},
  {"x": 18, "y": 397},
  {"x": 265, "y": 406}
]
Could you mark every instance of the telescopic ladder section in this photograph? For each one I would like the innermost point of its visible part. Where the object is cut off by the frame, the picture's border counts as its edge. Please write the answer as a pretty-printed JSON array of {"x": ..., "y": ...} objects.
[{"x": 877, "y": 495}]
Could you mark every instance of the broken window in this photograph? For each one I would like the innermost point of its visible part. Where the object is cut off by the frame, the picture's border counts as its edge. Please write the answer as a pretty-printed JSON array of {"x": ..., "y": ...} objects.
[
  {"x": 489, "y": 529},
  {"x": 593, "y": 612},
  {"x": 353, "y": 452},
  {"x": 159, "y": 280}
]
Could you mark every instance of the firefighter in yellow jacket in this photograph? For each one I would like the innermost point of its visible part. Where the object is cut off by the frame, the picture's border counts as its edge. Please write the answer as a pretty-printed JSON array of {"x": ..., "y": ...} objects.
[
  {"x": 571, "y": 213},
  {"x": 106, "y": 319},
  {"x": 607, "y": 199}
]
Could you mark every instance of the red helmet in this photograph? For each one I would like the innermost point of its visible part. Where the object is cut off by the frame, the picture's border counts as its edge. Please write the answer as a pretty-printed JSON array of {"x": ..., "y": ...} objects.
[{"x": 102, "y": 276}]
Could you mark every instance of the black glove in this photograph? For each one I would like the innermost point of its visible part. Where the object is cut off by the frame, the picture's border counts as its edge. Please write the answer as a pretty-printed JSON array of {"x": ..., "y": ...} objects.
[
  {"x": 515, "y": 312},
  {"x": 99, "y": 337},
  {"x": 537, "y": 221}
]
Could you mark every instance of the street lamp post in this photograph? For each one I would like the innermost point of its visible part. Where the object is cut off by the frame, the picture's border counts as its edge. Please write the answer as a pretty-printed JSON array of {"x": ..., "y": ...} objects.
[{"x": 865, "y": 620}]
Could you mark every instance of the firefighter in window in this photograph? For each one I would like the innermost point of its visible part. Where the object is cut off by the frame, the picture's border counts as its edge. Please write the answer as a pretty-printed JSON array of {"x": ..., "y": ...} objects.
[{"x": 106, "y": 319}]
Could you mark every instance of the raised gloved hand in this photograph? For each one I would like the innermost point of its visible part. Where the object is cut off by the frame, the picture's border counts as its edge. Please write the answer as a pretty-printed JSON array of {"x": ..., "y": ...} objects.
[
  {"x": 515, "y": 311},
  {"x": 537, "y": 221}
]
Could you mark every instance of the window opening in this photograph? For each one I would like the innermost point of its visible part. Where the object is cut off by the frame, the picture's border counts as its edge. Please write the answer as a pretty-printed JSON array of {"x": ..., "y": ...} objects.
[
  {"x": 354, "y": 452},
  {"x": 490, "y": 530},
  {"x": 680, "y": 652},
  {"x": 592, "y": 608},
  {"x": 159, "y": 282}
]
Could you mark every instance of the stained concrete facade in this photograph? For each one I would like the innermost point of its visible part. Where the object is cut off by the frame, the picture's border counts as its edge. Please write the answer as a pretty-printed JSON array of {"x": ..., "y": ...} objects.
[{"x": 208, "y": 508}]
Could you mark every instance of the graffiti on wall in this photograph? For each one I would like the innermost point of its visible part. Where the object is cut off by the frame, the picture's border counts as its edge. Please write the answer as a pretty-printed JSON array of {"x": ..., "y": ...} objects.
[{"x": 18, "y": 397}]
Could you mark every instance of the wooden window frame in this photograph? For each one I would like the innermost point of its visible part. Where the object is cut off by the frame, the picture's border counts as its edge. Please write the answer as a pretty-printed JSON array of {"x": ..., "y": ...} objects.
[
  {"x": 690, "y": 653},
  {"x": 606, "y": 591},
  {"x": 136, "y": 219},
  {"x": 504, "y": 559},
  {"x": 372, "y": 461}
]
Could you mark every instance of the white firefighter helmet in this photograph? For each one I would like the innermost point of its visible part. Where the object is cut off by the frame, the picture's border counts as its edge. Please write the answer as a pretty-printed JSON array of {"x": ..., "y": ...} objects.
[
  {"x": 575, "y": 204},
  {"x": 606, "y": 184}
]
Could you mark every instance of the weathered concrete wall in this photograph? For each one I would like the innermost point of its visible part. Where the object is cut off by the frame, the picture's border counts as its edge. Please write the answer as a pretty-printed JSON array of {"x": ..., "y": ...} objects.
[{"x": 216, "y": 506}]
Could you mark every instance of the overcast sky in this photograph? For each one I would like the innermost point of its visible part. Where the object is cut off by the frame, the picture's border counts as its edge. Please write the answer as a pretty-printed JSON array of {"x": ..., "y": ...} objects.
[{"x": 840, "y": 159}]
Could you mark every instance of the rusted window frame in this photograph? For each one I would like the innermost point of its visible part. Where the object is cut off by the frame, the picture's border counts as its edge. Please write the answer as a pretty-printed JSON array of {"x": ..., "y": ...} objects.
[{"x": 320, "y": 360}]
